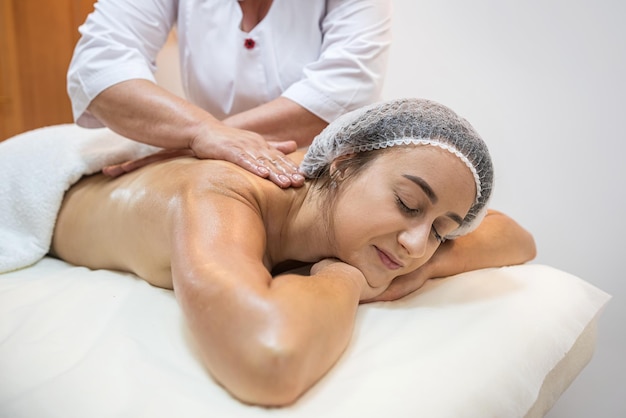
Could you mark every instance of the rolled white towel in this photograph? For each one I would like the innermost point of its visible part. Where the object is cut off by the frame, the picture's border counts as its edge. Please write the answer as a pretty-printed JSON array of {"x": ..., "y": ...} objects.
[{"x": 36, "y": 169}]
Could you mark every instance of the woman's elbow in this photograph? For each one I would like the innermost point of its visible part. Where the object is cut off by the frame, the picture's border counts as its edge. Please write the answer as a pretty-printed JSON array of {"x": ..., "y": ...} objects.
[
  {"x": 517, "y": 242},
  {"x": 273, "y": 376},
  {"x": 522, "y": 241},
  {"x": 528, "y": 248},
  {"x": 258, "y": 361}
]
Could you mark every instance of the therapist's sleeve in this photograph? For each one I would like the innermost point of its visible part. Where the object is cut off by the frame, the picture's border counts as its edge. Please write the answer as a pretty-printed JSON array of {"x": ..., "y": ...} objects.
[
  {"x": 119, "y": 41},
  {"x": 352, "y": 65}
]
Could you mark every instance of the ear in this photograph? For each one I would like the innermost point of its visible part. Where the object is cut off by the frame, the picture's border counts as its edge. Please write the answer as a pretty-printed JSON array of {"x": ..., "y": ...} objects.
[{"x": 337, "y": 167}]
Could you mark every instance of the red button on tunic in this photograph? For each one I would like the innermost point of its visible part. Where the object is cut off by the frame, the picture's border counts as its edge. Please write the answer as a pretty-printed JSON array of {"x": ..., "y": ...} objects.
[{"x": 249, "y": 43}]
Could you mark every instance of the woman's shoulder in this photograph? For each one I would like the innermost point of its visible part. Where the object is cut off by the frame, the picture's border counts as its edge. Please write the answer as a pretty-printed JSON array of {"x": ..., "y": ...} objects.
[{"x": 201, "y": 177}]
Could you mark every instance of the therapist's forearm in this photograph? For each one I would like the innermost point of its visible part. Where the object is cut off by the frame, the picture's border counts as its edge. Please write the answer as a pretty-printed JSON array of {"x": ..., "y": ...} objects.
[
  {"x": 146, "y": 112},
  {"x": 280, "y": 120}
]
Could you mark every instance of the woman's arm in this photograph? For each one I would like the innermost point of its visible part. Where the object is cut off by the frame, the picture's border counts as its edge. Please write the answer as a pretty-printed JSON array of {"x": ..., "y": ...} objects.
[
  {"x": 498, "y": 241},
  {"x": 265, "y": 340},
  {"x": 268, "y": 344}
]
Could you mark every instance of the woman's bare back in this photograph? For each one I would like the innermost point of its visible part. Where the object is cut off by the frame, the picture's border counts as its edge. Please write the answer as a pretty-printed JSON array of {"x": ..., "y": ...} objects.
[{"x": 126, "y": 223}]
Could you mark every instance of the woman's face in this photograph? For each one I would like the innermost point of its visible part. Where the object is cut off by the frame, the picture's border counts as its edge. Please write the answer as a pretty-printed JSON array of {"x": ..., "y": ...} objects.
[{"x": 389, "y": 219}]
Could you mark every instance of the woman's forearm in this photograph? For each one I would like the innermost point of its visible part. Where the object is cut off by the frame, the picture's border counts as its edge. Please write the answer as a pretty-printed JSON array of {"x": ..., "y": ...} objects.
[{"x": 498, "y": 241}]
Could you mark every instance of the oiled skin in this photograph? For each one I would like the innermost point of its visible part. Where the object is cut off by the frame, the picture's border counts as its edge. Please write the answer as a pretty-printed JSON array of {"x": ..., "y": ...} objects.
[
  {"x": 175, "y": 224},
  {"x": 213, "y": 232},
  {"x": 126, "y": 223}
]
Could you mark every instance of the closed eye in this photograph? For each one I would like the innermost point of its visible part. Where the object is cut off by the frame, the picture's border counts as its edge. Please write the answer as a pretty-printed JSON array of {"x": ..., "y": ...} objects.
[
  {"x": 410, "y": 211},
  {"x": 438, "y": 237},
  {"x": 404, "y": 208}
]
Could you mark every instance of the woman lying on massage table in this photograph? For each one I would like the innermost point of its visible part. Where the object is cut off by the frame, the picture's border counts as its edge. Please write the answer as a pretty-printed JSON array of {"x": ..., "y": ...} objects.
[{"x": 389, "y": 187}]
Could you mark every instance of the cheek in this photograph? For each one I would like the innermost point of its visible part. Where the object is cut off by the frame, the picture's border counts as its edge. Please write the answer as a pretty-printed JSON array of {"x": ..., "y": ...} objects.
[
  {"x": 348, "y": 224},
  {"x": 356, "y": 231},
  {"x": 351, "y": 219},
  {"x": 360, "y": 214}
]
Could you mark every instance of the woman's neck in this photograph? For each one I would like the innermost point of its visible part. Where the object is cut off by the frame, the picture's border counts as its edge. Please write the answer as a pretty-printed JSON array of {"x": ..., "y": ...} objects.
[{"x": 297, "y": 229}]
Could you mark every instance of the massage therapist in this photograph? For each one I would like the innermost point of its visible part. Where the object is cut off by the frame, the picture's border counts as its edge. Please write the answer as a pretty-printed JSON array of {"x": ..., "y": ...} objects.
[{"x": 261, "y": 77}]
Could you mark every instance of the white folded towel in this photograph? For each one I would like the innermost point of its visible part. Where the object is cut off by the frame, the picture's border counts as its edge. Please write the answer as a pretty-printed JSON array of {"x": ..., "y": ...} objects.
[{"x": 36, "y": 169}]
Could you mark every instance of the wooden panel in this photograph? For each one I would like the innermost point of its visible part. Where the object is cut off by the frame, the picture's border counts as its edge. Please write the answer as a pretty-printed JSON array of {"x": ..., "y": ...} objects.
[
  {"x": 40, "y": 38},
  {"x": 44, "y": 30},
  {"x": 10, "y": 106},
  {"x": 80, "y": 10}
]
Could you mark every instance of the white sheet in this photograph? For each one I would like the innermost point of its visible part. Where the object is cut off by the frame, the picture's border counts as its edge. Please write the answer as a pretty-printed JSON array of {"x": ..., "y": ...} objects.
[{"x": 81, "y": 343}]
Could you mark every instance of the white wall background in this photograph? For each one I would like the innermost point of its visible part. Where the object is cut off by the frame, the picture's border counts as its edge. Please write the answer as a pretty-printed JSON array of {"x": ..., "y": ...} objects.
[{"x": 543, "y": 81}]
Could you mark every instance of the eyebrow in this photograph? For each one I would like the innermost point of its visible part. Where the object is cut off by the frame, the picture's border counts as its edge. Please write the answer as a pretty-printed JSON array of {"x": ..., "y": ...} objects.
[{"x": 430, "y": 193}]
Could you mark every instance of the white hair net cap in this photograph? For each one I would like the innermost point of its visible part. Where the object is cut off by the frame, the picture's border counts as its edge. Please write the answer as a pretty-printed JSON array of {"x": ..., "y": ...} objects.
[{"x": 407, "y": 122}]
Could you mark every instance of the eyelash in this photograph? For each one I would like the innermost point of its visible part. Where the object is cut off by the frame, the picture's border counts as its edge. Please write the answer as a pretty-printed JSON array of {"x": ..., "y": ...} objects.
[
  {"x": 438, "y": 237},
  {"x": 404, "y": 208},
  {"x": 410, "y": 211}
]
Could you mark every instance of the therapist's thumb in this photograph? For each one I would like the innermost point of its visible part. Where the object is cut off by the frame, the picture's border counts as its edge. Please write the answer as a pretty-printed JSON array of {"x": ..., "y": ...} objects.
[{"x": 286, "y": 147}]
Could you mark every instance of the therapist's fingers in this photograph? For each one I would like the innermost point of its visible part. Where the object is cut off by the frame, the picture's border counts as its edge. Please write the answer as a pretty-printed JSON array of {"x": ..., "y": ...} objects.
[
  {"x": 116, "y": 170},
  {"x": 266, "y": 162},
  {"x": 274, "y": 166},
  {"x": 281, "y": 166},
  {"x": 250, "y": 151}
]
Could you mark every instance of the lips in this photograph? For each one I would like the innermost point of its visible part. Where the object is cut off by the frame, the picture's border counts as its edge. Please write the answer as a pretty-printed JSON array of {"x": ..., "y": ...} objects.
[{"x": 387, "y": 260}]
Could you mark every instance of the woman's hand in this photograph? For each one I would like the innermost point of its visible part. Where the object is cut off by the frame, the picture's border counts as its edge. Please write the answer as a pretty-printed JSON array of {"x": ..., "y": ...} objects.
[
  {"x": 402, "y": 286},
  {"x": 340, "y": 269},
  {"x": 498, "y": 241}
]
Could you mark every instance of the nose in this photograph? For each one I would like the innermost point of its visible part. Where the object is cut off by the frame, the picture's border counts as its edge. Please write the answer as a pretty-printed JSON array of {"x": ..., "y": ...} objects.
[{"x": 415, "y": 240}]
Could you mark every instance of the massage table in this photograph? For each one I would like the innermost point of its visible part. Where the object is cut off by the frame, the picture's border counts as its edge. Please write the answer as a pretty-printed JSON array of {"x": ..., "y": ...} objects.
[{"x": 74, "y": 342}]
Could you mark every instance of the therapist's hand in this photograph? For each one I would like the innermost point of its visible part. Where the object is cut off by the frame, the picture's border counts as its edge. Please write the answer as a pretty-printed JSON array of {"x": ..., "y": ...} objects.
[
  {"x": 143, "y": 111},
  {"x": 116, "y": 170},
  {"x": 248, "y": 150}
]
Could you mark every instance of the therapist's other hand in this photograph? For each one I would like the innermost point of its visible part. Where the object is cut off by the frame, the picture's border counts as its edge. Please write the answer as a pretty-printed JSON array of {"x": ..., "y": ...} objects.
[{"x": 116, "y": 170}]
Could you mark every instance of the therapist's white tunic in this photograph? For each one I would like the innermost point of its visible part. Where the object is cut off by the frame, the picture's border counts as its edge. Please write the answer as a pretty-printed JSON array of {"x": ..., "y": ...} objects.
[{"x": 329, "y": 56}]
